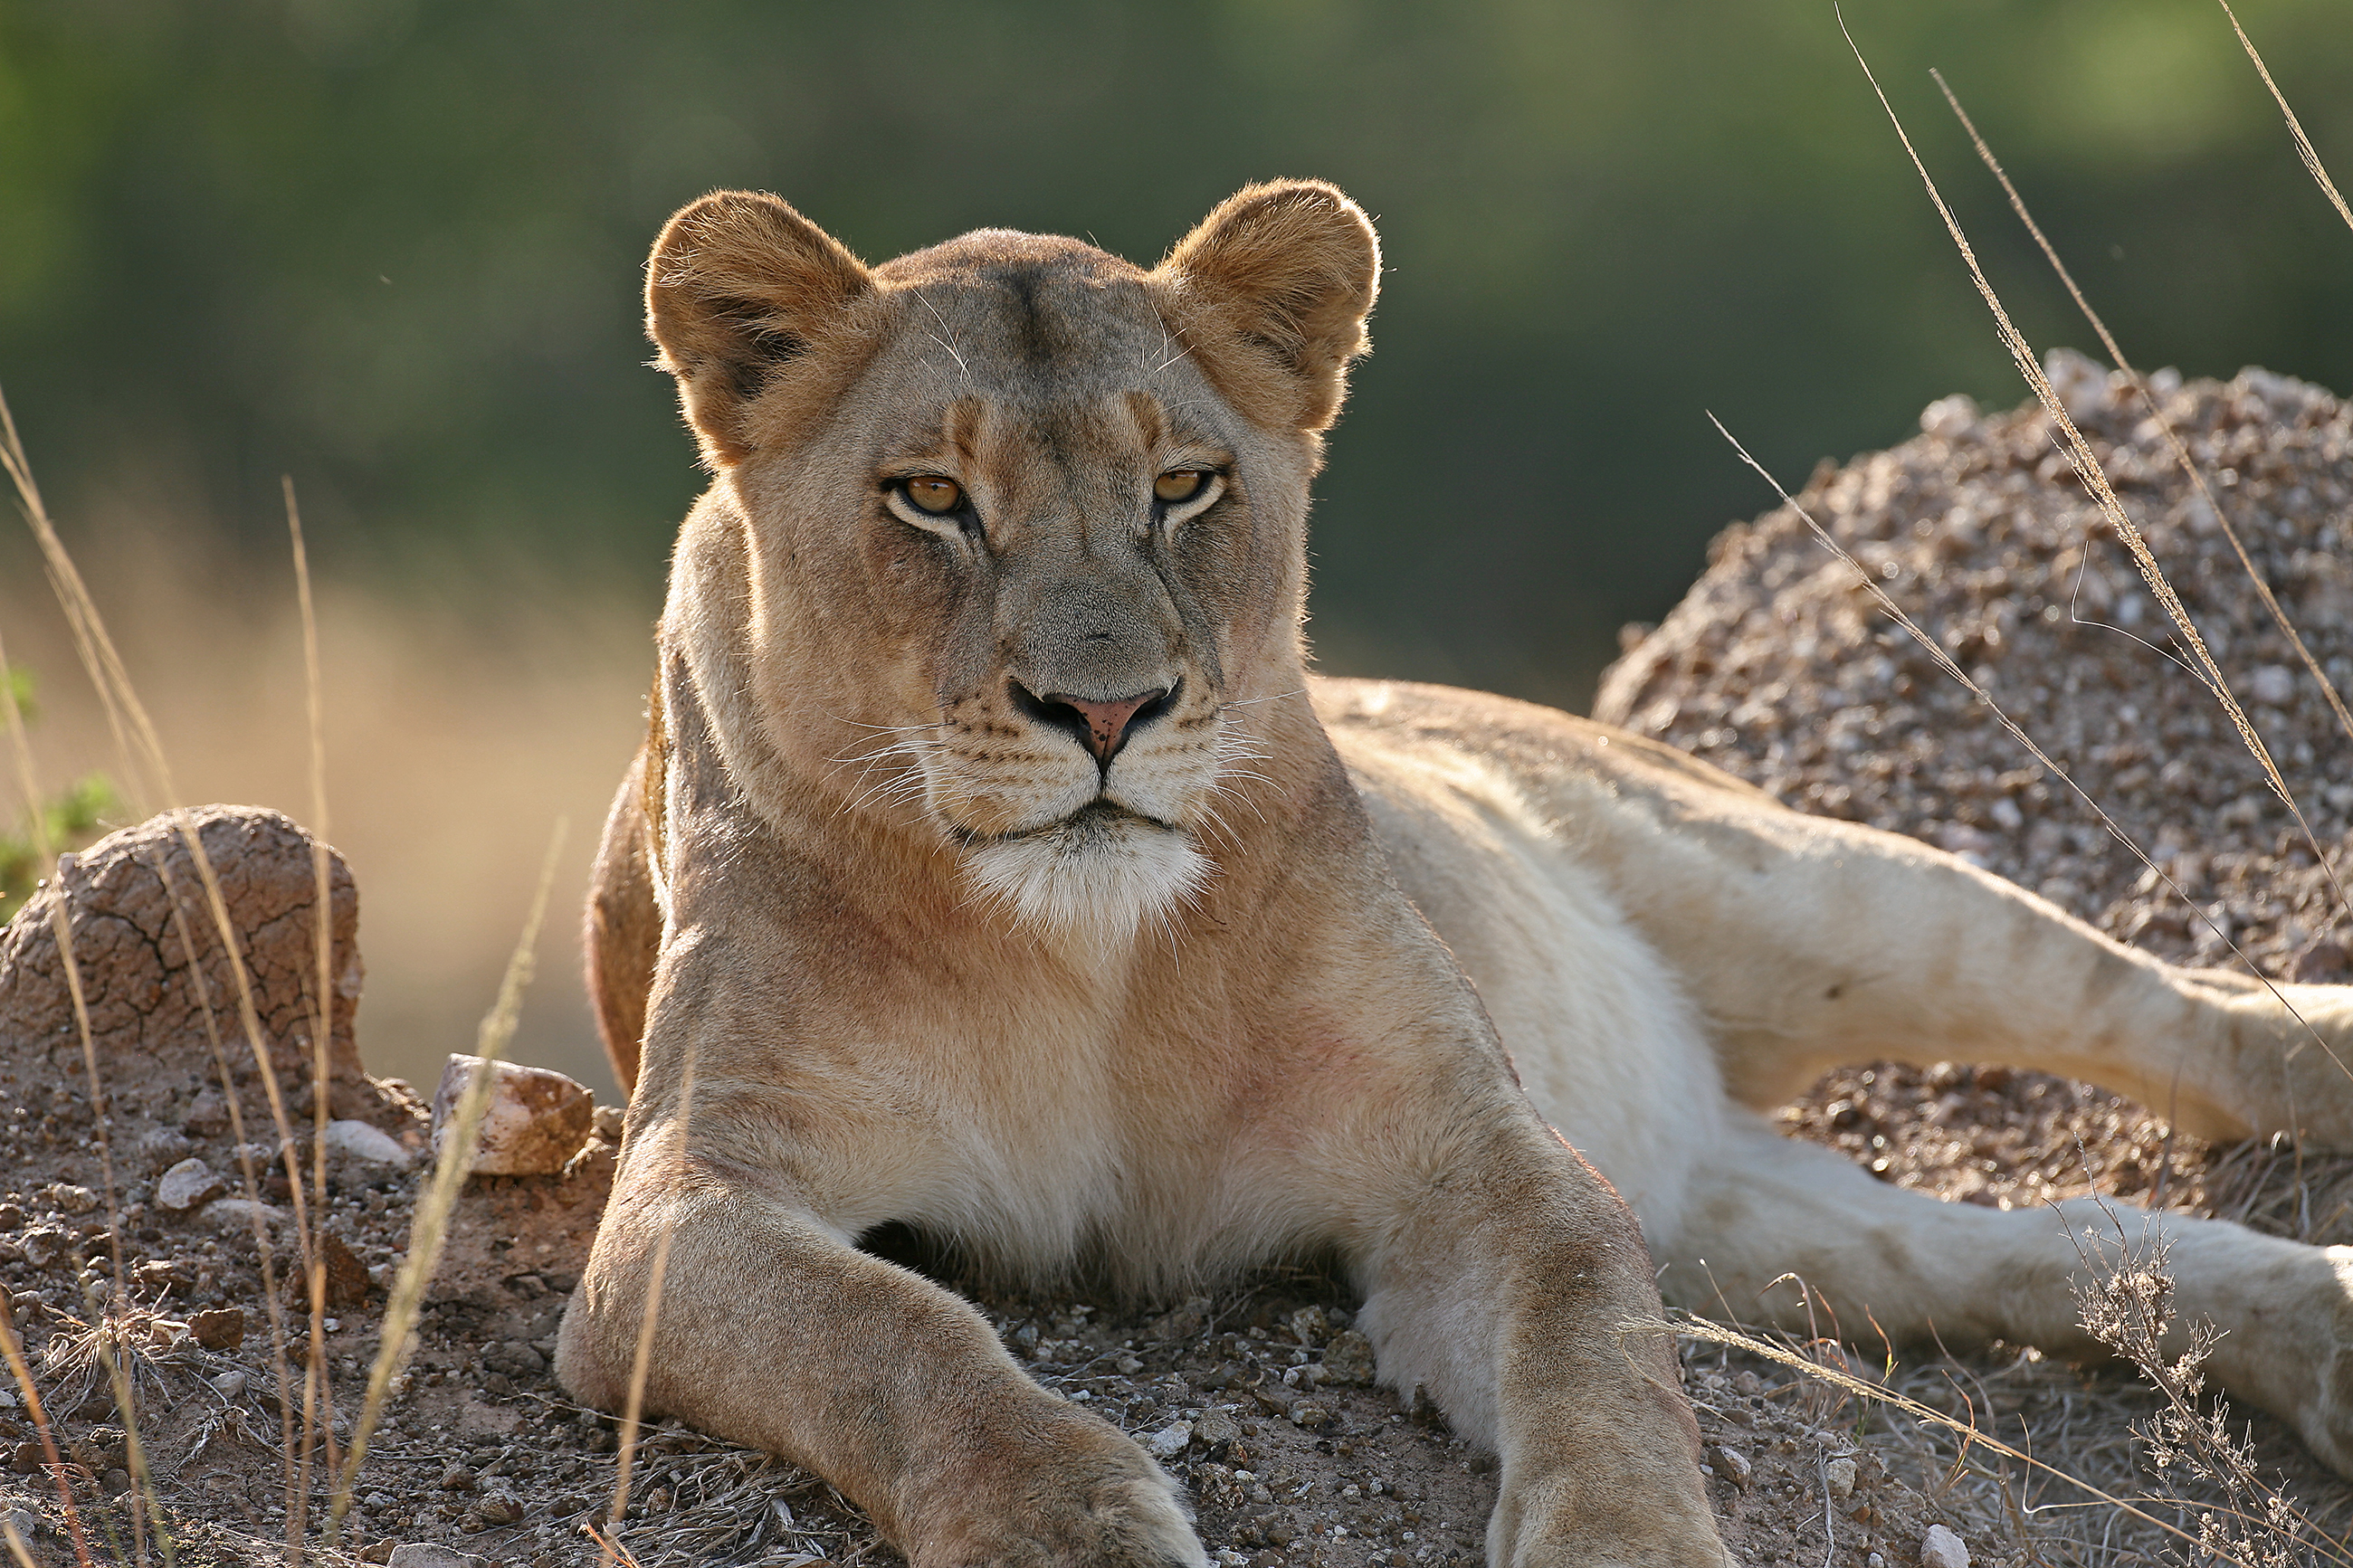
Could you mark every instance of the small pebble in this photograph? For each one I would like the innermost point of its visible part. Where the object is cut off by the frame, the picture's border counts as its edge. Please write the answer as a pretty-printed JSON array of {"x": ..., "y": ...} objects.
[
  {"x": 366, "y": 1144},
  {"x": 2271, "y": 685},
  {"x": 190, "y": 1184},
  {"x": 1841, "y": 1474},
  {"x": 73, "y": 1199},
  {"x": 426, "y": 1555},
  {"x": 1731, "y": 1465},
  {"x": 218, "y": 1329},
  {"x": 1940, "y": 1547},
  {"x": 1170, "y": 1440}
]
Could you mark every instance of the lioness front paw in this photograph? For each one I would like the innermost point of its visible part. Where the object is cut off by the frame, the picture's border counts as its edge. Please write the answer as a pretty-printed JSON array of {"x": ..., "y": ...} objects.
[
  {"x": 1098, "y": 1500},
  {"x": 1586, "y": 1522}
]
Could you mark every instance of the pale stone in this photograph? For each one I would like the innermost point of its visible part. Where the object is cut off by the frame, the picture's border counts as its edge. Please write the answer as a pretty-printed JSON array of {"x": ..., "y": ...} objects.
[
  {"x": 367, "y": 1144},
  {"x": 1170, "y": 1440},
  {"x": 190, "y": 1184},
  {"x": 1940, "y": 1547},
  {"x": 533, "y": 1123},
  {"x": 1951, "y": 417},
  {"x": 426, "y": 1555}
]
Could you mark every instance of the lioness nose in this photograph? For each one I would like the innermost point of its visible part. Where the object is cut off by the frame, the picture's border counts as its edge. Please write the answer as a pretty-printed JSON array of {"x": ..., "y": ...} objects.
[{"x": 1102, "y": 728}]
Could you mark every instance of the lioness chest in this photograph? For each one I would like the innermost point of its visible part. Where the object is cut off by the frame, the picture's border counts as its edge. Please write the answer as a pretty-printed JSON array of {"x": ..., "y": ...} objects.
[{"x": 1149, "y": 1123}]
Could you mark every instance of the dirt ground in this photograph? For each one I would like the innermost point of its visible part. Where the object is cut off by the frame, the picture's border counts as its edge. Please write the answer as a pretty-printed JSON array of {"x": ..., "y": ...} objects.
[{"x": 1257, "y": 1397}]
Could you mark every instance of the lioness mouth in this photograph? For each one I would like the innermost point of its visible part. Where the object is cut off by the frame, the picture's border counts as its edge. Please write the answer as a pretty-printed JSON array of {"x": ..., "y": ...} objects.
[
  {"x": 1101, "y": 819},
  {"x": 1097, "y": 874}
]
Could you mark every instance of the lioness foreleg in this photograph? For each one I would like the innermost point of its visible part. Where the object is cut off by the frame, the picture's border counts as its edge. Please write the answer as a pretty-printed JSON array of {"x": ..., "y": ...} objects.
[
  {"x": 773, "y": 1331},
  {"x": 1503, "y": 1282}
]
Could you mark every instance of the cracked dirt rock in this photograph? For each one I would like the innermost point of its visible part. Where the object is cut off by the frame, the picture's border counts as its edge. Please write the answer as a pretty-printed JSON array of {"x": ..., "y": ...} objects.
[{"x": 148, "y": 1001}]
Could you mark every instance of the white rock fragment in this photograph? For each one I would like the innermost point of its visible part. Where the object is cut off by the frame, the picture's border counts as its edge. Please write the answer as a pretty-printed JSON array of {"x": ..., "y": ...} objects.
[
  {"x": 1170, "y": 1440},
  {"x": 426, "y": 1555},
  {"x": 71, "y": 1199},
  {"x": 534, "y": 1121},
  {"x": 2080, "y": 382},
  {"x": 1840, "y": 1474},
  {"x": 1951, "y": 417},
  {"x": 366, "y": 1144},
  {"x": 2271, "y": 685},
  {"x": 189, "y": 1184},
  {"x": 1940, "y": 1547}
]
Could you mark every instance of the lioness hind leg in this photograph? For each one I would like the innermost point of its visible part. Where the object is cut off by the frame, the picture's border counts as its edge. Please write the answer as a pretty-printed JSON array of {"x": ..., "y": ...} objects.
[
  {"x": 1790, "y": 1234},
  {"x": 1811, "y": 944}
]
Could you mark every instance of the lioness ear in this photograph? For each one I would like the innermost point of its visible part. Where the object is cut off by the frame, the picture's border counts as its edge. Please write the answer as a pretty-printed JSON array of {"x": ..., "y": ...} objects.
[
  {"x": 740, "y": 285},
  {"x": 1289, "y": 270}
]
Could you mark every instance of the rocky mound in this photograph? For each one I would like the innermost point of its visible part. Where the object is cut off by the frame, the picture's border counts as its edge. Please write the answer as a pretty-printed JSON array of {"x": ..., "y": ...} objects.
[{"x": 1779, "y": 666}]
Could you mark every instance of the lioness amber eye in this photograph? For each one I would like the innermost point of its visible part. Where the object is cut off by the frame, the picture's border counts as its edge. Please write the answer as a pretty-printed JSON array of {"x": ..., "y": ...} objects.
[
  {"x": 1178, "y": 484},
  {"x": 935, "y": 494}
]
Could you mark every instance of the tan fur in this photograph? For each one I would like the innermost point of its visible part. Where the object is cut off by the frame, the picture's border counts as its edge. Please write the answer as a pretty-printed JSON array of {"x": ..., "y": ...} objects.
[{"x": 903, "y": 951}]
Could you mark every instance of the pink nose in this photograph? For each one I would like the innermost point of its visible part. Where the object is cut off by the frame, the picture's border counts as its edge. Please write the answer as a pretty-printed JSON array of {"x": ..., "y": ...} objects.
[{"x": 1107, "y": 723}]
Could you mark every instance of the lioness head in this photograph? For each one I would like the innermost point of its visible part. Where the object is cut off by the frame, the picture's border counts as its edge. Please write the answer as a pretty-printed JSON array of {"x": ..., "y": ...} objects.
[{"x": 1022, "y": 524}]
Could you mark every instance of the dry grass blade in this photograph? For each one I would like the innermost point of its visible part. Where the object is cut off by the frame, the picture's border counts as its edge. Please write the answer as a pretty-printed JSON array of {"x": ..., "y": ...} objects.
[
  {"x": 16, "y": 1548},
  {"x": 455, "y": 1157},
  {"x": 124, "y": 717},
  {"x": 2189, "y": 465},
  {"x": 318, "y": 1397},
  {"x": 642, "y": 1362},
  {"x": 12, "y": 1348},
  {"x": 2095, "y": 478},
  {"x": 134, "y": 731},
  {"x": 265, "y": 1250},
  {"x": 2304, "y": 147},
  {"x": 125, "y": 1401}
]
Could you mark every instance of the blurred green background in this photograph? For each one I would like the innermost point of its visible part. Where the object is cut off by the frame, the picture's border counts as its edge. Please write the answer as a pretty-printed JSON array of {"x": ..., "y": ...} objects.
[{"x": 392, "y": 247}]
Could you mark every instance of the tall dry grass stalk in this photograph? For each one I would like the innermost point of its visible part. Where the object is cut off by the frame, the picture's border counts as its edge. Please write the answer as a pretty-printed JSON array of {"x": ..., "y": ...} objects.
[
  {"x": 145, "y": 763},
  {"x": 641, "y": 1361},
  {"x": 2304, "y": 148},
  {"x": 2189, "y": 465},
  {"x": 429, "y": 1230},
  {"x": 318, "y": 1392}
]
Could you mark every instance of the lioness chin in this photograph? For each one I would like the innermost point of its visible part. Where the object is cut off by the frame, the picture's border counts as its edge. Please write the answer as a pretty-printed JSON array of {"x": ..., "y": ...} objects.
[{"x": 993, "y": 868}]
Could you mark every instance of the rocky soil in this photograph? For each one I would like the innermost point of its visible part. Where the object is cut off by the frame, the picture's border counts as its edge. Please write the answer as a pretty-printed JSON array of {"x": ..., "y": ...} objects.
[{"x": 171, "y": 1239}]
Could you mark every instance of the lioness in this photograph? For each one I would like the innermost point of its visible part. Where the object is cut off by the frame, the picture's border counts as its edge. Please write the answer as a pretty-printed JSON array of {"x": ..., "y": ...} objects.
[{"x": 993, "y": 866}]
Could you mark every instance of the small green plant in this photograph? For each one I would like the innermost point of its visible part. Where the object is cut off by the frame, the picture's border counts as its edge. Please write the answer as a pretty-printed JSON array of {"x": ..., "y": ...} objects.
[{"x": 66, "y": 820}]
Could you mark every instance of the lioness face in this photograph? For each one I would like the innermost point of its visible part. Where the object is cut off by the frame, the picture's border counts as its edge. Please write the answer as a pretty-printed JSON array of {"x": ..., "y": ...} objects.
[{"x": 1057, "y": 502}]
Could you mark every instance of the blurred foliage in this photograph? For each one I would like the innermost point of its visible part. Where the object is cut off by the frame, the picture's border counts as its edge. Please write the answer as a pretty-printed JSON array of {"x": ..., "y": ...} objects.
[
  {"x": 392, "y": 247},
  {"x": 67, "y": 820}
]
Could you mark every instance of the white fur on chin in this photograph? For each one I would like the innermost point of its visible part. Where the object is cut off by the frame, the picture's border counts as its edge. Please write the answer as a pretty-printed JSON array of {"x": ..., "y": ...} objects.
[{"x": 1094, "y": 879}]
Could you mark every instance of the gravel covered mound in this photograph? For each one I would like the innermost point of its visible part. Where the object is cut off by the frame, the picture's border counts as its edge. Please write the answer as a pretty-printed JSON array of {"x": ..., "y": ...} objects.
[{"x": 1780, "y": 666}]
